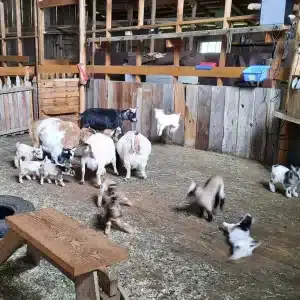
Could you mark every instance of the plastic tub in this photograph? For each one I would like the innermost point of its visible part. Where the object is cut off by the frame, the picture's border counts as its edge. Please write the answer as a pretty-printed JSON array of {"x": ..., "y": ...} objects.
[{"x": 256, "y": 73}]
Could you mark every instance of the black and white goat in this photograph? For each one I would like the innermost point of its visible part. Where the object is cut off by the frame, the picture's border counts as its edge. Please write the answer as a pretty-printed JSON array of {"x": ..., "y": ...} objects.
[
  {"x": 242, "y": 245},
  {"x": 289, "y": 179},
  {"x": 106, "y": 118},
  {"x": 208, "y": 197}
]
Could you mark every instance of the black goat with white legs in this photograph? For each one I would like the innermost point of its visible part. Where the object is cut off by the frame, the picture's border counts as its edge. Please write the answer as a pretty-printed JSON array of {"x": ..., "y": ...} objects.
[{"x": 106, "y": 118}]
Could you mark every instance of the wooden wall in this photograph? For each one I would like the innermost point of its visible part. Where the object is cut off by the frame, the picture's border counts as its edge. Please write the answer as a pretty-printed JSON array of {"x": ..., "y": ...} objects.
[{"x": 232, "y": 120}]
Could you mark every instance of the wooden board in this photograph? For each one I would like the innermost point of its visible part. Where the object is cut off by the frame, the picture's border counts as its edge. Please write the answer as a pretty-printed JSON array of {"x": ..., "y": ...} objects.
[
  {"x": 203, "y": 117},
  {"x": 179, "y": 107},
  {"x": 216, "y": 125},
  {"x": 71, "y": 245},
  {"x": 231, "y": 113},
  {"x": 245, "y": 122}
]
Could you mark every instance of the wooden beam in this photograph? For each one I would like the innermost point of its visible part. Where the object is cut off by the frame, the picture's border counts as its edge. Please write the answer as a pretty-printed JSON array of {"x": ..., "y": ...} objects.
[
  {"x": 19, "y": 29},
  {"x": 130, "y": 18},
  {"x": 226, "y": 25},
  {"x": 108, "y": 34},
  {"x": 16, "y": 71},
  {"x": 36, "y": 39},
  {"x": 94, "y": 33},
  {"x": 153, "y": 16},
  {"x": 191, "y": 39},
  {"x": 41, "y": 28},
  {"x": 54, "y": 3},
  {"x": 213, "y": 32},
  {"x": 14, "y": 58},
  {"x": 139, "y": 45},
  {"x": 180, "y": 5},
  {"x": 82, "y": 51},
  {"x": 3, "y": 32}
]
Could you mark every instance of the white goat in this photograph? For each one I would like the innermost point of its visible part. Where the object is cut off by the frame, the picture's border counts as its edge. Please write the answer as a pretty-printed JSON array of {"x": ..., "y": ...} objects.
[
  {"x": 99, "y": 152},
  {"x": 164, "y": 121},
  {"x": 239, "y": 238},
  {"x": 27, "y": 152},
  {"x": 48, "y": 170},
  {"x": 289, "y": 179},
  {"x": 29, "y": 167},
  {"x": 134, "y": 150},
  {"x": 208, "y": 197}
]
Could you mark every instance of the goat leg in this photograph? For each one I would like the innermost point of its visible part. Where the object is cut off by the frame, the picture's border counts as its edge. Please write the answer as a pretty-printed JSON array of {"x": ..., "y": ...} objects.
[
  {"x": 21, "y": 178},
  {"x": 114, "y": 163},
  {"x": 123, "y": 225},
  {"x": 128, "y": 169},
  {"x": 28, "y": 177},
  {"x": 107, "y": 227},
  {"x": 61, "y": 180},
  {"x": 82, "y": 172}
]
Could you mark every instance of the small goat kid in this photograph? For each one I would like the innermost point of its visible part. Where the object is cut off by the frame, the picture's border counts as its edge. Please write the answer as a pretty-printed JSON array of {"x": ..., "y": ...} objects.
[
  {"x": 111, "y": 201},
  {"x": 100, "y": 151},
  {"x": 239, "y": 238},
  {"x": 164, "y": 121},
  {"x": 289, "y": 179},
  {"x": 29, "y": 167},
  {"x": 208, "y": 197},
  {"x": 134, "y": 150},
  {"x": 48, "y": 170},
  {"x": 27, "y": 152}
]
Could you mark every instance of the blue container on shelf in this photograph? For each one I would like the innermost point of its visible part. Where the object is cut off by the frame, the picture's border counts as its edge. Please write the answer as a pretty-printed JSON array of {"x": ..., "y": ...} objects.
[{"x": 256, "y": 73}]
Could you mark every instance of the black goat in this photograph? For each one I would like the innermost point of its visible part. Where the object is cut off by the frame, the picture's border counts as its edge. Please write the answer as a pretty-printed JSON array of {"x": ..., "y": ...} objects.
[{"x": 106, "y": 118}]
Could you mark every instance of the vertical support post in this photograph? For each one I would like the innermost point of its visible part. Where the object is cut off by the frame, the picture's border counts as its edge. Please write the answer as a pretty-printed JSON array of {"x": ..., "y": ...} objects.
[
  {"x": 129, "y": 18},
  {"x": 108, "y": 34},
  {"x": 222, "y": 60},
  {"x": 140, "y": 44},
  {"x": 94, "y": 33},
  {"x": 82, "y": 51},
  {"x": 177, "y": 46},
  {"x": 153, "y": 16},
  {"x": 19, "y": 29},
  {"x": 194, "y": 13},
  {"x": 36, "y": 40},
  {"x": 3, "y": 32}
]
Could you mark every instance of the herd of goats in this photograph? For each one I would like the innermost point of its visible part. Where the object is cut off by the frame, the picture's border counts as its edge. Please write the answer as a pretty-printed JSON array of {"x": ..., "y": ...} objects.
[{"x": 101, "y": 142}]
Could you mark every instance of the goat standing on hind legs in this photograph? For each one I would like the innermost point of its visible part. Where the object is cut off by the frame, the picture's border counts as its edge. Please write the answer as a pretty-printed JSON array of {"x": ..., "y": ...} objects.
[{"x": 208, "y": 197}]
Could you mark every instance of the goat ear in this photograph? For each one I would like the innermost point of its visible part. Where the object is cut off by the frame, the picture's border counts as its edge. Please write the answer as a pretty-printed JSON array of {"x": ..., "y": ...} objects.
[
  {"x": 293, "y": 168},
  {"x": 192, "y": 187}
]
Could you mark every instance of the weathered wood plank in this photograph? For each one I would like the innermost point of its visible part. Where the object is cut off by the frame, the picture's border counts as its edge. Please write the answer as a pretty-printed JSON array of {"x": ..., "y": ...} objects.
[
  {"x": 216, "y": 124},
  {"x": 179, "y": 107},
  {"x": 203, "y": 117},
  {"x": 2, "y": 110},
  {"x": 231, "y": 112},
  {"x": 245, "y": 122}
]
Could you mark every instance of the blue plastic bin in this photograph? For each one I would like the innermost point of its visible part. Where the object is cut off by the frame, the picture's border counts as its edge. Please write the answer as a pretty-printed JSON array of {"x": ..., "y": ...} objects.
[{"x": 256, "y": 73}]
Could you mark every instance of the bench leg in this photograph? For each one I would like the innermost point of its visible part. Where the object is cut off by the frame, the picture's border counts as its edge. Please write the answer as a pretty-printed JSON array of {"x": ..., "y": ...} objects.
[
  {"x": 33, "y": 254},
  {"x": 87, "y": 287},
  {"x": 9, "y": 244}
]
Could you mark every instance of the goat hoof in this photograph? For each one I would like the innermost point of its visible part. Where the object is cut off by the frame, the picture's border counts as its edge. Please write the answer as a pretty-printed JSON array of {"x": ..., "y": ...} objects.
[{"x": 81, "y": 182}]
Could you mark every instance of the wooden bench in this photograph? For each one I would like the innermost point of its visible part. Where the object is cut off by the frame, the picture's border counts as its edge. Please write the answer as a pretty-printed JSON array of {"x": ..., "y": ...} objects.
[{"x": 79, "y": 252}]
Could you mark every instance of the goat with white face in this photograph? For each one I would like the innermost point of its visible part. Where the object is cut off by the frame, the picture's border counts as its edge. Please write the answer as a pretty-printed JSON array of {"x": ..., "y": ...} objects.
[
  {"x": 289, "y": 179},
  {"x": 27, "y": 152},
  {"x": 48, "y": 170},
  {"x": 134, "y": 150},
  {"x": 100, "y": 151},
  {"x": 239, "y": 238},
  {"x": 208, "y": 197},
  {"x": 164, "y": 121}
]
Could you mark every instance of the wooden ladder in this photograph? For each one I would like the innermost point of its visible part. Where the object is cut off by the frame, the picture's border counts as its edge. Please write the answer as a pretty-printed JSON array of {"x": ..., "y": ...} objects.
[{"x": 81, "y": 253}]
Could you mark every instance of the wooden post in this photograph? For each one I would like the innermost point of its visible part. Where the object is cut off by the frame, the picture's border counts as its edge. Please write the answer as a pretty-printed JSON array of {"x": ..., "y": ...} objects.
[
  {"x": 94, "y": 33},
  {"x": 19, "y": 29},
  {"x": 139, "y": 45},
  {"x": 129, "y": 18},
  {"x": 222, "y": 60},
  {"x": 194, "y": 13},
  {"x": 82, "y": 50},
  {"x": 108, "y": 34},
  {"x": 153, "y": 16},
  {"x": 41, "y": 28},
  {"x": 3, "y": 32}
]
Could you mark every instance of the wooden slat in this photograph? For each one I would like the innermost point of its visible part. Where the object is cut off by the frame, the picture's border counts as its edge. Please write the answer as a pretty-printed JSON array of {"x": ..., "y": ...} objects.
[
  {"x": 65, "y": 95},
  {"x": 245, "y": 122},
  {"x": 180, "y": 5},
  {"x": 3, "y": 32},
  {"x": 14, "y": 58},
  {"x": 203, "y": 117},
  {"x": 179, "y": 107},
  {"x": 141, "y": 7},
  {"x": 108, "y": 34},
  {"x": 153, "y": 15},
  {"x": 41, "y": 29},
  {"x": 71, "y": 245},
  {"x": 82, "y": 49},
  {"x": 19, "y": 30},
  {"x": 216, "y": 125},
  {"x": 53, "y": 3},
  {"x": 231, "y": 112}
]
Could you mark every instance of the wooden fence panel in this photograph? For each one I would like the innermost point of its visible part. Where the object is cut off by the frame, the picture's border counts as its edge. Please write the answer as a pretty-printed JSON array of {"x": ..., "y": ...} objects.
[{"x": 232, "y": 120}]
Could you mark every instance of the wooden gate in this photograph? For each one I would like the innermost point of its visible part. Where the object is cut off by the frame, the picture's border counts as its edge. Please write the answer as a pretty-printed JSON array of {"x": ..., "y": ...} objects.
[{"x": 16, "y": 107}]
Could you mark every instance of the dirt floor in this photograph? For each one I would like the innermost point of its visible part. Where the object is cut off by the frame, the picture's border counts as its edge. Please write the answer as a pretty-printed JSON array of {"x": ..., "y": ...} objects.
[{"x": 173, "y": 254}]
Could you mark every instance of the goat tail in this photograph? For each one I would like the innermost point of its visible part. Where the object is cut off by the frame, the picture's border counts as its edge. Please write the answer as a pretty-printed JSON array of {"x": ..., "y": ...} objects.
[
  {"x": 135, "y": 143},
  {"x": 220, "y": 197},
  {"x": 192, "y": 188}
]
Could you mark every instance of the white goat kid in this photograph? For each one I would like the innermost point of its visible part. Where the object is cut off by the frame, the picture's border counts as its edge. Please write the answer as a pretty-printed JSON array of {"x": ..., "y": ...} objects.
[
  {"x": 289, "y": 179},
  {"x": 48, "y": 170},
  {"x": 208, "y": 197},
  {"x": 99, "y": 152},
  {"x": 27, "y": 152},
  {"x": 134, "y": 150},
  {"x": 29, "y": 167},
  {"x": 164, "y": 121},
  {"x": 239, "y": 238}
]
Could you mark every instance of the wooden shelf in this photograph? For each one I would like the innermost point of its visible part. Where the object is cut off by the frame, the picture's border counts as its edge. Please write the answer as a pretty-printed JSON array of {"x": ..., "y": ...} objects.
[{"x": 284, "y": 116}]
